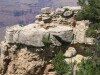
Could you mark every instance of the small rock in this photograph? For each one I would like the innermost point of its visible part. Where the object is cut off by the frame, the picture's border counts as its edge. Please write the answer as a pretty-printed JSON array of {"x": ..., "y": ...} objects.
[
  {"x": 46, "y": 10},
  {"x": 77, "y": 59},
  {"x": 90, "y": 40},
  {"x": 46, "y": 18},
  {"x": 70, "y": 52},
  {"x": 48, "y": 67},
  {"x": 69, "y": 60},
  {"x": 38, "y": 17},
  {"x": 67, "y": 13},
  {"x": 59, "y": 11}
]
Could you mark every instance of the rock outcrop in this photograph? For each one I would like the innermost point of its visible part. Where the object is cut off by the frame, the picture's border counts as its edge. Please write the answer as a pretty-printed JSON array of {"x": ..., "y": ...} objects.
[
  {"x": 32, "y": 35},
  {"x": 27, "y": 50}
]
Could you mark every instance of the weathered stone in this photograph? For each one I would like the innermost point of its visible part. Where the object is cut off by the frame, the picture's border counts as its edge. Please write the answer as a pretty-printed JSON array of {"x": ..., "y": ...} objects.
[
  {"x": 70, "y": 52},
  {"x": 38, "y": 17},
  {"x": 74, "y": 8},
  {"x": 48, "y": 67},
  {"x": 46, "y": 18},
  {"x": 90, "y": 40},
  {"x": 46, "y": 10},
  {"x": 68, "y": 14},
  {"x": 33, "y": 36},
  {"x": 80, "y": 31},
  {"x": 77, "y": 59},
  {"x": 59, "y": 11}
]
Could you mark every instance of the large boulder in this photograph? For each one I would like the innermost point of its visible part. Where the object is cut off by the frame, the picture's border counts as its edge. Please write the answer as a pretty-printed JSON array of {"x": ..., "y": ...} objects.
[{"x": 32, "y": 35}]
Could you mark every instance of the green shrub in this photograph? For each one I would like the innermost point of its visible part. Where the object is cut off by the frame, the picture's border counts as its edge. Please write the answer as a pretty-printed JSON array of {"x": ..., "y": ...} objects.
[
  {"x": 60, "y": 66},
  {"x": 90, "y": 10},
  {"x": 95, "y": 26},
  {"x": 91, "y": 33},
  {"x": 85, "y": 50},
  {"x": 93, "y": 30},
  {"x": 88, "y": 67},
  {"x": 46, "y": 40},
  {"x": 89, "y": 50}
]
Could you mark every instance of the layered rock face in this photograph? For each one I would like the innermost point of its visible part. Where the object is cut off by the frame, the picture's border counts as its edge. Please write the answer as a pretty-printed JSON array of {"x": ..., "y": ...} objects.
[
  {"x": 28, "y": 50},
  {"x": 31, "y": 35}
]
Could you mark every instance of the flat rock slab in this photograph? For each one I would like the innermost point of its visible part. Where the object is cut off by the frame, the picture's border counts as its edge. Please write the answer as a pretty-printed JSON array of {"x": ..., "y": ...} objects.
[{"x": 32, "y": 35}]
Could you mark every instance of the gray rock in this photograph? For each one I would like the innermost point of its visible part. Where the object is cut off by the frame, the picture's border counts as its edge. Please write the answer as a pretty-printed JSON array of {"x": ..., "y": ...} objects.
[
  {"x": 67, "y": 13},
  {"x": 34, "y": 36},
  {"x": 59, "y": 11},
  {"x": 46, "y": 10},
  {"x": 46, "y": 18}
]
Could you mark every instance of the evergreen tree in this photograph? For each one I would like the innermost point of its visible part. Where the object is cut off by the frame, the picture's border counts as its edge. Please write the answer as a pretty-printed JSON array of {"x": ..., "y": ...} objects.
[
  {"x": 90, "y": 10},
  {"x": 60, "y": 66}
]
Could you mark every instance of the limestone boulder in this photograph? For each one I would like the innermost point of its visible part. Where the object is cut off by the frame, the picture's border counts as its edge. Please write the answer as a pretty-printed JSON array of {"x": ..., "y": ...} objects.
[
  {"x": 46, "y": 18},
  {"x": 68, "y": 13},
  {"x": 46, "y": 10},
  {"x": 29, "y": 35},
  {"x": 70, "y": 52},
  {"x": 90, "y": 40},
  {"x": 59, "y": 11},
  {"x": 77, "y": 59},
  {"x": 80, "y": 31}
]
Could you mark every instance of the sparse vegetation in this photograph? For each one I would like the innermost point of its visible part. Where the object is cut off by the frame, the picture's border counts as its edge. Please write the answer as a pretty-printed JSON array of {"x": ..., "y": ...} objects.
[
  {"x": 60, "y": 66},
  {"x": 90, "y": 10},
  {"x": 46, "y": 40},
  {"x": 93, "y": 30},
  {"x": 88, "y": 67}
]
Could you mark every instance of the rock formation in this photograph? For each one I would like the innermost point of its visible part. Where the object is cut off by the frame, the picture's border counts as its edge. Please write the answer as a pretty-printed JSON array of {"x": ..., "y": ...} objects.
[{"x": 28, "y": 50}]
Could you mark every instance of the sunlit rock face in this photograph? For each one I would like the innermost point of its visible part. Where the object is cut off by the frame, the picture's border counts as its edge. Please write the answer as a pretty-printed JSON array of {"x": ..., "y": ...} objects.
[
  {"x": 30, "y": 35},
  {"x": 29, "y": 50}
]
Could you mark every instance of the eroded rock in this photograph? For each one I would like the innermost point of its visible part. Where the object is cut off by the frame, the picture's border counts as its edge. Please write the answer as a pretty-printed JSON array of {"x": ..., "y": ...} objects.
[
  {"x": 46, "y": 10},
  {"x": 29, "y": 35},
  {"x": 70, "y": 52}
]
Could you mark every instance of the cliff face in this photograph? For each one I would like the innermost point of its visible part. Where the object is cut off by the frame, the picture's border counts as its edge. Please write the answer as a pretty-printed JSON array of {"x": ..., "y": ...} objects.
[{"x": 27, "y": 50}]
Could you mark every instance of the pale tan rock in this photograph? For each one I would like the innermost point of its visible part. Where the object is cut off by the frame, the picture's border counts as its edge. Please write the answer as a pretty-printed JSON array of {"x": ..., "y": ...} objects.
[
  {"x": 77, "y": 59},
  {"x": 59, "y": 11},
  {"x": 90, "y": 40},
  {"x": 70, "y": 52},
  {"x": 46, "y": 10},
  {"x": 80, "y": 31},
  {"x": 48, "y": 67}
]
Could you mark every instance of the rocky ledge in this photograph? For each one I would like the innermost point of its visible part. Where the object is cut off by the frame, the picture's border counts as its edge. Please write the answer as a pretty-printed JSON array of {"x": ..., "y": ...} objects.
[
  {"x": 34, "y": 36},
  {"x": 29, "y": 50}
]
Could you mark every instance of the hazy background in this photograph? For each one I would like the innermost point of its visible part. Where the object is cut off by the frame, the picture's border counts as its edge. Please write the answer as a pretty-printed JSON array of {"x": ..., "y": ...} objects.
[{"x": 23, "y": 11}]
